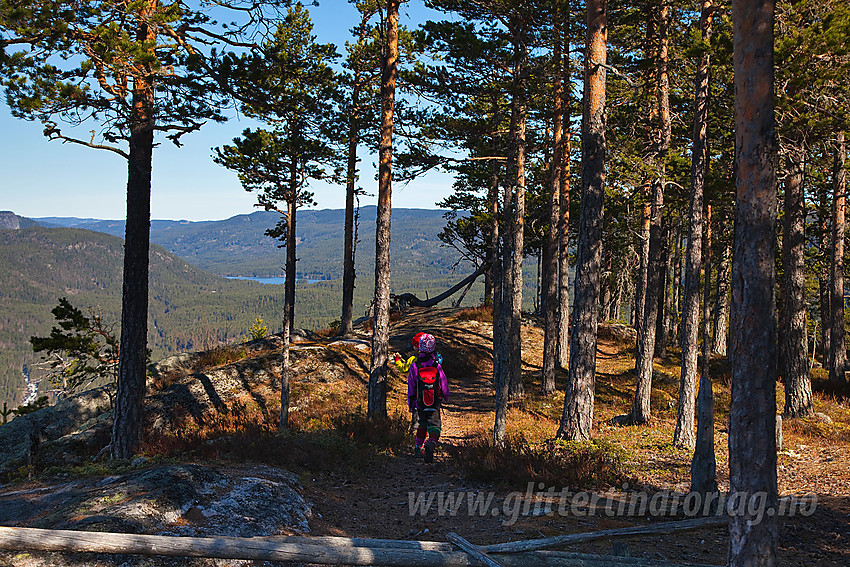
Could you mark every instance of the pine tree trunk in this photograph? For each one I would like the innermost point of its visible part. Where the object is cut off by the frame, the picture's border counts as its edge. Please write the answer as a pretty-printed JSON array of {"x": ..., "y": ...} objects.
[
  {"x": 346, "y": 326},
  {"x": 519, "y": 108},
  {"x": 721, "y": 302},
  {"x": 837, "y": 351},
  {"x": 377, "y": 407},
  {"x": 501, "y": 314},
  {"x": 683, "y": 436},
  {"x": 676, "y": 308},
  {"x": 605, "y": 285},
  {"x": 551, "y": 257},
  {"x": 646, "y": 339},
  {"x": 655, "y": 268},
  {"x": 564, "y": 231},
  {"x": 794, "y": 359},
  {"x": 132, "y": 367},
  {"x": 493, "y": 237},
  {"x": 288, "y": 302},
  {"x": 577, "y": 418},
  {"x": 664, "y": 135},
  {"x": 704, "y": 462},
  {"x": 500, "y": 354},
  {"x": 662, "y": 328},
  {"x": 823, "y": 280},
  {"x": 752, "y": 415},
  {"x": 643, "y": 270}
]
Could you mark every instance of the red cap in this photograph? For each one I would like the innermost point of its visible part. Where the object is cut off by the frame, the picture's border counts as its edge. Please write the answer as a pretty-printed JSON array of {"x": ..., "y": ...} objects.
[{"x": 416, "y": 338}]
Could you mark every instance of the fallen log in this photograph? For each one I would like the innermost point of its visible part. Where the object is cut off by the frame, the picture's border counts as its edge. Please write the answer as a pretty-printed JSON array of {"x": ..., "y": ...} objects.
[
  {"x": 262, "y": 549},
  {"x": 336, "y": 541},
  {"x": 408, "y": 299},
  {"x": 472, "y": 550},
  {"x": 318, "y": 550},
  {"x": 664, "y": 528},
  {"x": 569, "y": 559}
]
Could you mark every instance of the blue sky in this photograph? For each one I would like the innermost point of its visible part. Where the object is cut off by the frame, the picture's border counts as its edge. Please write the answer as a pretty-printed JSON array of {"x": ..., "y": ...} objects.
[{"x": 41, "y": 178}]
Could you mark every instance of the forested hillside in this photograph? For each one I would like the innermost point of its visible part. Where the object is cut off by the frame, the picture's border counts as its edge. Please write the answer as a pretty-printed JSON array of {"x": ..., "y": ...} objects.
[
  {"x": 190, "y": 309},
  {"x": 238, "y": 246}
]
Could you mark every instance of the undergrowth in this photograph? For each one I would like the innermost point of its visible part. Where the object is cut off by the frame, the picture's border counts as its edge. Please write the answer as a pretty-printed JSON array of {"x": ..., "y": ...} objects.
[
  {"x": 482, "y": 314},
  {"x": 221, "y": 355},
  {"x": 347, "y": 440},
  {"x": 591, "y": 464}
]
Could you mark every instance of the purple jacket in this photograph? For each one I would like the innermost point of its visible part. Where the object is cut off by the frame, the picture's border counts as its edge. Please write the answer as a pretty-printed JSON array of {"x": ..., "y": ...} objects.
[{"x": 413, "y": 379}]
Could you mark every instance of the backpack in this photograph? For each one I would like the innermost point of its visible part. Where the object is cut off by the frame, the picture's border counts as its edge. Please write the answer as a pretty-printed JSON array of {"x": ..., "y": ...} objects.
[{"x": 427, "y": 388}]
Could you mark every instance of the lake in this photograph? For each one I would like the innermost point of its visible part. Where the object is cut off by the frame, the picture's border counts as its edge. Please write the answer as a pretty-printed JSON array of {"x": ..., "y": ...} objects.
[{"x": 278, "y": 280}]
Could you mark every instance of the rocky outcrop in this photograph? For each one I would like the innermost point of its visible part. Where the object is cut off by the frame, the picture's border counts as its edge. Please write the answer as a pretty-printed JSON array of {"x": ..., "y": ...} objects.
[
  {"x": 62, "y": 433},
  {"x": 182, "y": 389},
  {"x": 178, "y": 500},
  {"x": 9, "y": 221}
]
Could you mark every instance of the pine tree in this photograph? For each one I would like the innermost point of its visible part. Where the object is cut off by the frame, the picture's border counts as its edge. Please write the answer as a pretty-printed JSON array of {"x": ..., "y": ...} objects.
[
  {"x": 291, "y": 85},
  {"x": 577, "y": 418},
  {"x": 137, "y": 70},
  {"x": 752, "y": 414},
  {"x": 377, "y": 403}
]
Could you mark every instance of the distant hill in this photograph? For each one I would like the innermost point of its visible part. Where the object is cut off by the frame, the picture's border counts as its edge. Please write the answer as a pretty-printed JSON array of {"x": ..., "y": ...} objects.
[
  {"x": 238, "y": 246},
  {"x": 190, "y": 309}
]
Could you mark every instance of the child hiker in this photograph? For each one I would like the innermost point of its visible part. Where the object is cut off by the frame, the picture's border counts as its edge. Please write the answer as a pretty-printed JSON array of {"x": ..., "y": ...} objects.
[
  {"x": 404, "y": 365},
  {"x": 427, "y": 388}
]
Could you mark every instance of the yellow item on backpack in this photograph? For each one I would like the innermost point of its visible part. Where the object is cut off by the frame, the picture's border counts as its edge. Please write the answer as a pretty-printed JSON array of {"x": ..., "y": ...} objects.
[{"x": 404, "y": 365}]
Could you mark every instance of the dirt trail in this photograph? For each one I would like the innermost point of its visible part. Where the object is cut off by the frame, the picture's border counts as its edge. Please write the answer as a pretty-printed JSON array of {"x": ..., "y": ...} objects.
[{"x": 382, "y": 503}]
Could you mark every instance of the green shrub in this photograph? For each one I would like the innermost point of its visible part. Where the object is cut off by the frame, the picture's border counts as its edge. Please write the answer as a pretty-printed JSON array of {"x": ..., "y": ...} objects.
[{"x": 258, "y": 330}]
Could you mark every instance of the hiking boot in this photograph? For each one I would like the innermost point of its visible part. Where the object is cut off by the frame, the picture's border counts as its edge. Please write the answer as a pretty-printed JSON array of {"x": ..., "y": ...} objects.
[
  {"x": 417, "y": 452},
  {"x": 429, "y": 451}
]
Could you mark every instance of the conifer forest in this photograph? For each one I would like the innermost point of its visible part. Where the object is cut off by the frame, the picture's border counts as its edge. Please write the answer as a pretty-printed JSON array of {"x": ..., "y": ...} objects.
[{"x": 674, "y": 166}]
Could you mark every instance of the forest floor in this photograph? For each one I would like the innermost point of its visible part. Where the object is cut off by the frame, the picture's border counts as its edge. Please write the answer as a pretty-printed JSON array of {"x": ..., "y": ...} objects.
[
  {"x": 363, "y": 482},
  {"x": 815, "y": 459}
]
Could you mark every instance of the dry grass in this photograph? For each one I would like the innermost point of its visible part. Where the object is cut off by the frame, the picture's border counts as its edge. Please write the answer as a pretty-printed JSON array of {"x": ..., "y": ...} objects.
[
  {"x": 593, "y": 464},
  {"x": 326, "y": 432},
  {"x": 328, "y": 427},
  {"x": 482, "y": 314},
  {"x": 221, "y": 355}
]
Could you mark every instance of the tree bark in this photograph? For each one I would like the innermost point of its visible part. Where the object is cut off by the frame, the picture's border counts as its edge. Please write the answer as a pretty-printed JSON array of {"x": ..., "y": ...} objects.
[
  {"x": 493, "y": 237},
  {"x": 551, "y": 255},
  {"x": 662, "y": 327},
  {"x": 132, "y": 368},
  {"x": 721, "y": 302},
  {"x": 837, "y": 352},
  {"x": 577, "y": 418},
  {"x": 664, "y": 135},
  {"x": 517, "y": 232},
  {"x": 676, "y": 285},
  {"x": 500, "y": 354},
  {"x": 655, "y": 268},
  {"x": 564, "y": 223},
  {"x": 346, "y": 326},
  {"x": 683, "y": 435},
  {"x": 377, "y": 407},
  {"x": 501, "y": 314},
  {"x": 288, "y": 305},
  {"x": 646, "y": 339},
  {"x": 643, "y": 270},
  {"x": 823, "y": 280},
  {"x": 704, "y": 462},
  {"x": 752, "y": 416},
  {"x": 794, "y": 359}
]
